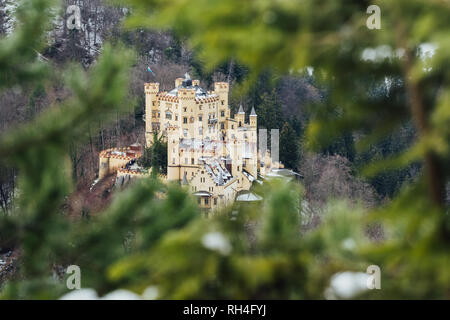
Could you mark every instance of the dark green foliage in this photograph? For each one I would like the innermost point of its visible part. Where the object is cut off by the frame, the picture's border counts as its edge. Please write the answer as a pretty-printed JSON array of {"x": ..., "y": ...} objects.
[
  {"x": 155, "y": 157},
  {"x": 343, "y": 146},
  {"x": 269, "y": 112},
  {"x": 173, "y": 52},
  {"x": 289, "y": 147},
  {"x": 159, "y": 156},
  {"x": 146, "y": 159}
]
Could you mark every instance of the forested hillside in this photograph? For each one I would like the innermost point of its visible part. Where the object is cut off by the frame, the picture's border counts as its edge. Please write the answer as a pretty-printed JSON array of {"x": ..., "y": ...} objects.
[{"x": 285, "y": 103}]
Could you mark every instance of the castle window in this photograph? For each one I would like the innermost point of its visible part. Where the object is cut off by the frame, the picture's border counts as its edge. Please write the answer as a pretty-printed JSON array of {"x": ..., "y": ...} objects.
[
  {"x": 159, "y": 114},
  {"x": 176, "y": 117},
  {"x": 154, "y": 114},
  {"x": 169, "y": 115},
  {"x": 191, "y": 120},
  {"x": 185, "y": 132},
  {"x": 206, "y": 201},
  {"x": 222, "y": 125},
  {"x": 192, "y": 161},
  {"x": 223, "y": 102},
  {"x": 155, "y": 126},
  {"x": 215, "y": 201},
  {"x": 232, "y": 126},
  {"x": 222, "y": 113},
  {"x": 200, "y": 118},
  {"x": 184, "y": 109},
  {"x": 185, "y": 120},
  {"x": 240, "y": 124},
  {"x": 153, "y": 103},
  {"x": 200, "y": 130},
  {"x": 200, "y": 107}
]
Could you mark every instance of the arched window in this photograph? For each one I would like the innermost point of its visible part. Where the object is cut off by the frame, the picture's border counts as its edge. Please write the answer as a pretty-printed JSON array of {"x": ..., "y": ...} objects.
[{"x": 168, "y": 115}]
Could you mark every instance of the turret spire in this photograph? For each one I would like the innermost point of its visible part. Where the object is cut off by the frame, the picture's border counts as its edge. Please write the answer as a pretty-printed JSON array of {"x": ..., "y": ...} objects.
[
  {"x": 184, "y": 182},
  {"x": 221, "y": 181}
]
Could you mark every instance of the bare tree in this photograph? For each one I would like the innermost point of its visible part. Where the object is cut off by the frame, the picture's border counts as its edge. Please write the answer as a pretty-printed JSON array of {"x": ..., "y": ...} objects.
[{"x": 331, "y": 177}]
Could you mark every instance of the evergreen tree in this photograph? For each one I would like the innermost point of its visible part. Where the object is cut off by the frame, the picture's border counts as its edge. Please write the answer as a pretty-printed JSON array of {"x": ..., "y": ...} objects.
[
  {"x": 269, "y": 112},
  {"x": 289, "y": 148}
]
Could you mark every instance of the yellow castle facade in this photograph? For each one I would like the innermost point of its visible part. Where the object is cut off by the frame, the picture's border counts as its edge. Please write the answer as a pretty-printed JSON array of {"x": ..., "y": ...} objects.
[{"x": 210, "y": 152}]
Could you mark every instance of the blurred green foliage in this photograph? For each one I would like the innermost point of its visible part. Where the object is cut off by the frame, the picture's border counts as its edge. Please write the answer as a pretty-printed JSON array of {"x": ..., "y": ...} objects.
[
  {"x": 351, "y": 60},
  {"x": 152, "y": 235}
]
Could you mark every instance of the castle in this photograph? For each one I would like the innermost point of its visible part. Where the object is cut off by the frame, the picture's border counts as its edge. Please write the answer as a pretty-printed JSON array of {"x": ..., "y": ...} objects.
[{"x": 213, "y": 154}]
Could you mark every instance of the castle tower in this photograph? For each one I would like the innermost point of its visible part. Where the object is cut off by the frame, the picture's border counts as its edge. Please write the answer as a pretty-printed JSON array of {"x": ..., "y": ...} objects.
[
  {"x": 178, "y": 82},
  {"x": 223, "y": 109},
  {"x": 252, "y": 165},
  {"x": 240, "y": 116},
  {"x": 152, "y": 116},
  {"x": 253, "y": 119},
  {"x": 173, "y": 156},
  {"x": 103, "y": 166},
  {"x": 188, "y": 107},
  {"x": 221, "y": 89}
]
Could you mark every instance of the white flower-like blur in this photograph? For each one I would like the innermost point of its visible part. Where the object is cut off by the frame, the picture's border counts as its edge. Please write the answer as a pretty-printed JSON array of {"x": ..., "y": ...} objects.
[
  {"x": 150, "y": 293},
  {"x": 349, "y": 244},
  {"x": 91, "y": 294},
  {"x": 121, "y": 294},
  {"x": 81, "y": 294},
  {"x": 346, "y": 285},
  {"x": 216, "y": 241}
]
